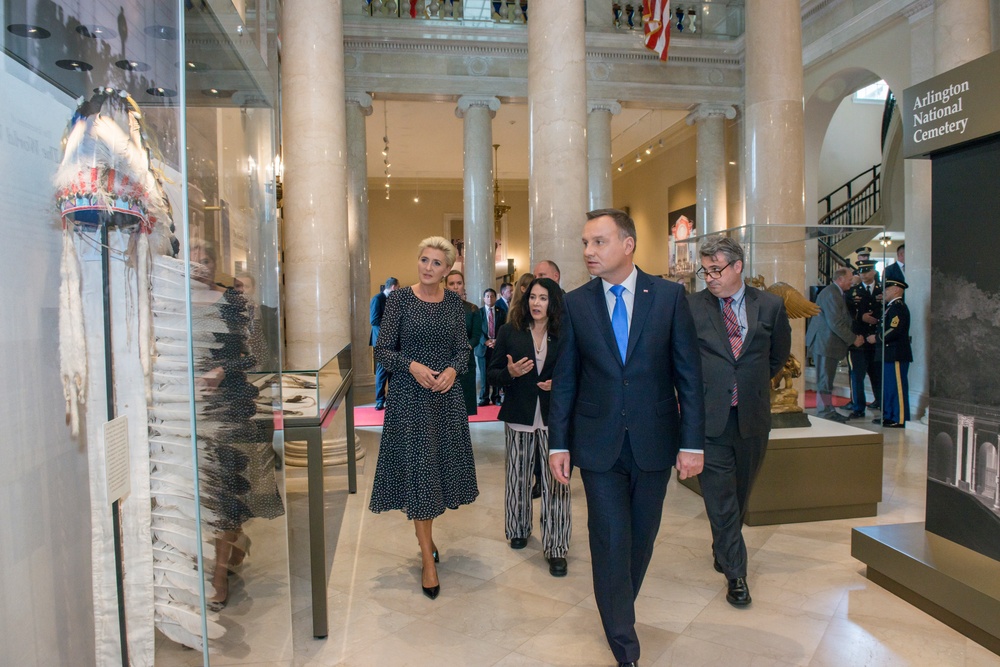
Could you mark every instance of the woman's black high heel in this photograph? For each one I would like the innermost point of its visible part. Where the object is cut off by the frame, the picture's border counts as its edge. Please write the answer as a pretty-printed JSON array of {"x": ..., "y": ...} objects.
[{"x": 430, "y": 591}]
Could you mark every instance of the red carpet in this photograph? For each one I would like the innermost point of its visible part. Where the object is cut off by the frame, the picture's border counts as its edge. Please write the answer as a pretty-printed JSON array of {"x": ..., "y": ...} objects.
[
  {"x": 369, "y": 416},
  {"x": 810, "y": 400}
]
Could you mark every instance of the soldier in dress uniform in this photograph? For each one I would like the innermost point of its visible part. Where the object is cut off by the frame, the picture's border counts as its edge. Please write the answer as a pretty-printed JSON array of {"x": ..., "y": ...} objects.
[
  {"x": 864, "y": 302},
  {"x": 864, "y": 257},
  {"x": 895, "y": 333}
]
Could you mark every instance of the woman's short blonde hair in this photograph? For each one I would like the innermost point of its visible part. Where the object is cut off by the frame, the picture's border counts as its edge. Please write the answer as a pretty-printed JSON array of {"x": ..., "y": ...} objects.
[{"x": 442, "y": 244}]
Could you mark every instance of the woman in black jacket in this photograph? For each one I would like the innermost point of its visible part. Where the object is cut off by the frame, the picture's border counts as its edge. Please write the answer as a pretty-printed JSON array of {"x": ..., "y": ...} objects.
[{"x": 523, "y": 357}]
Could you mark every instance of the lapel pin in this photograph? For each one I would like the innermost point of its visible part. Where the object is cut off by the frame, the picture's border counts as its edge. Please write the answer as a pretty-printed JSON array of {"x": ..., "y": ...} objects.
[{"x": 645, "y": 291}]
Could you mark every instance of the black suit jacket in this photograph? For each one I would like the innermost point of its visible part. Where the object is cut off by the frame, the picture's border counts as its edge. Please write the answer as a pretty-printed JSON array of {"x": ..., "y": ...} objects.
[
  {"x": 375, "y": 310},
  {"x": 521, "y": 393},
  {"x": 765, "y": 350},
  {"x": 500, "y": 317},
  {"x": 656, "y": 394},
  {"x": 894, "y": 272}
]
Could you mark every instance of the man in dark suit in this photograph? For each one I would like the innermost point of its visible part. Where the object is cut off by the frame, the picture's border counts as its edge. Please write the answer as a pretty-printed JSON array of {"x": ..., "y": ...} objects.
[
  {"x": 628, "y": 354},
  {"x": 864, "y": 303},
  {"x": 493, "y": 318},
  {"x": 375, "y": 309},
  {"x": 745, "y": 340},
  {"x": 506, "y": 293},
  {"x": 827, "y": 338},
  {"x": 897, "y": 271}
]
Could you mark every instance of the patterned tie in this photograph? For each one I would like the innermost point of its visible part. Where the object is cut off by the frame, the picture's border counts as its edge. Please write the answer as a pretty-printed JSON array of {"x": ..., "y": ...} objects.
[
  {"x": 489, "y": 318},
  {"x": 733, "y": 331},
  {"x": 619, "y": 320}
]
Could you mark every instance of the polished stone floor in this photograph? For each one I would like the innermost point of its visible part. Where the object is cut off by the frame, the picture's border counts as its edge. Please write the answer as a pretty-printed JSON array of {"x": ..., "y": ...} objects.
[{"x": 812, "y": 604}]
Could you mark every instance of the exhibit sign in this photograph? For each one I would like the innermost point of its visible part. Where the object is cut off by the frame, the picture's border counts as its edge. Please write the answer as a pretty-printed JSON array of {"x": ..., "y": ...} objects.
[{"x": 952, "y": 108}]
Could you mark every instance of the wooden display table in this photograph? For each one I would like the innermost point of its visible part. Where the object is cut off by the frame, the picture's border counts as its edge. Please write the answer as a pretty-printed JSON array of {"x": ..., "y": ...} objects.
[{"x": 827, "y": 471}]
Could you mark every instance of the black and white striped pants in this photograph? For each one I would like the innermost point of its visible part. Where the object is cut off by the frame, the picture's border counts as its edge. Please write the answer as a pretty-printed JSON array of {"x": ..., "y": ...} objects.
[{"x": 556, "y": 526}]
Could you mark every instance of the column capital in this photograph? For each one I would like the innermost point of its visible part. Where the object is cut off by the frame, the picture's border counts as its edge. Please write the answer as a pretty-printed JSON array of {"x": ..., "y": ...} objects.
[
  {"x": 918, "y": 10},
  {"x": 363, "y": 100},
  {"x": 612, "y": 106},
  {"x": 709, "y": 110},
  {"x": 465, "y": 102}
]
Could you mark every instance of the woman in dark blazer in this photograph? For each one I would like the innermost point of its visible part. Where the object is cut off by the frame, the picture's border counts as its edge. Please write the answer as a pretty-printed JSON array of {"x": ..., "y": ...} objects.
[{"x": 523, "y": 357}]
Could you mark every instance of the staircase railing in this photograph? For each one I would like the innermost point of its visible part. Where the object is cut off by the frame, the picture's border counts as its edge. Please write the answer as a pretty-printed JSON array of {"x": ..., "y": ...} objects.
[{"x": 857, "y": 210}]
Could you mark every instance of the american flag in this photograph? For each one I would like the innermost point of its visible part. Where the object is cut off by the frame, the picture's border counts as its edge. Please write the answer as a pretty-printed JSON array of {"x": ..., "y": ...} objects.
[{"x": 656, "y": 26}]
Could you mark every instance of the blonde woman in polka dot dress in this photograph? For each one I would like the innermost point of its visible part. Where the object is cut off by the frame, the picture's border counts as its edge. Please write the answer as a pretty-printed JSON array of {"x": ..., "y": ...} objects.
[{"x": 425, "y": 462}]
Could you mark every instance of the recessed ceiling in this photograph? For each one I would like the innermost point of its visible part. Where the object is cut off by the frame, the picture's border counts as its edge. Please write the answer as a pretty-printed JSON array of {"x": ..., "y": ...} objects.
[{"x": 426, "y": 138}]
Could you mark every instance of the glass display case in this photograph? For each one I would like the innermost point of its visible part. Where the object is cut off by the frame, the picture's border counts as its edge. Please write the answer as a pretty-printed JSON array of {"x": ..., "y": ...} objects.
[{"x": 140, "y": 172}]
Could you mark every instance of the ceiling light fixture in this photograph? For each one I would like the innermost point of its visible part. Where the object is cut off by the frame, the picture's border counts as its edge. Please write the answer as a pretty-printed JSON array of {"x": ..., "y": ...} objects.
[
  {"x": 638, "y": 157},
  {"x": 649, "y": 149},
  {"x": 28, "y": 30}
]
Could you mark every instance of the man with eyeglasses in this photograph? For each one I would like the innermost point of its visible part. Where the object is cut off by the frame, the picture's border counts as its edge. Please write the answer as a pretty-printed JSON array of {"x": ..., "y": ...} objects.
[
  {"x": 745, "y": 340},
  {"x": 828, "y": 338}
]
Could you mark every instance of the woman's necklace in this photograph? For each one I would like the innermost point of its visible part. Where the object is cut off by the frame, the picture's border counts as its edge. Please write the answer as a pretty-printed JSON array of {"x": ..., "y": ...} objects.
[{"x": 539, "y": 340}]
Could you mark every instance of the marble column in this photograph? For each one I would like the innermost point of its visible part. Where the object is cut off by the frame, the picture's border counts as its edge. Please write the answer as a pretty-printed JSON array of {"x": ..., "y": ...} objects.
[
  {"x": 316, "y": 260},
  {"x": 557, "y": 103},
  {"x": 961, "y": 32},
  {"x": 774, "y": 158},
  {"x": 359, "y": 105},
  {"x": 599, "y": 113},
  {"x": 712, "y": 200},
  {"x": 477, "y": 228}
]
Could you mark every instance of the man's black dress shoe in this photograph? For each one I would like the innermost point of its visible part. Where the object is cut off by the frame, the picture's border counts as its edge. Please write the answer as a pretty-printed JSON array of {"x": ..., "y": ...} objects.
[
  {"x": 874, "y": 405},
  {"x": 536, "y": 489},
  {"x": 633, "y": 663},
  {"x": 894, "y": 425},
  {"x": 518, "y": 542},
  {"x": 857, "y": 415},
  {"x": 380, "y": 406},
  {"x": 557, "y": 567},
  {"x": 483, "y": 404},
  {"x": 738, "y": 594}
]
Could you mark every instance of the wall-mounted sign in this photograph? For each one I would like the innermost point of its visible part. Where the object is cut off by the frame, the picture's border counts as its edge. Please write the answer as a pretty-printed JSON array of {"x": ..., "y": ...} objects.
[{"x": 952, "y": 108}]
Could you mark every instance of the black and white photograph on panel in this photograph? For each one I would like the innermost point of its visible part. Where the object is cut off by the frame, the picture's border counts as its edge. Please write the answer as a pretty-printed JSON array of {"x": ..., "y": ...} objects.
[{"x": 963, "y": 475}]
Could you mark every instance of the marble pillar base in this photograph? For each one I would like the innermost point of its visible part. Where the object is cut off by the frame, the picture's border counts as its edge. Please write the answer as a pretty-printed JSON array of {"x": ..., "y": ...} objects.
[{"x": 334, "y": 451}]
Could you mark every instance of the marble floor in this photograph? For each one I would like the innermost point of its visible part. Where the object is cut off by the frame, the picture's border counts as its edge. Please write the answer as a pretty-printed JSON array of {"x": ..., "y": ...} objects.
[{"x": 812, "y": 604}]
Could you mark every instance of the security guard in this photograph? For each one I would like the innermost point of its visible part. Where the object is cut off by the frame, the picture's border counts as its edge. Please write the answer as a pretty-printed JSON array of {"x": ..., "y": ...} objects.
[
  {"x": 895, "y": 333},
  {"x": 864, "y": 302}
]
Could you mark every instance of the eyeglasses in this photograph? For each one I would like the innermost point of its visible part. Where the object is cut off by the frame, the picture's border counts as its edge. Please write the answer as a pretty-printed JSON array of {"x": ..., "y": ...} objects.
[{"x": 710, "y": 273}]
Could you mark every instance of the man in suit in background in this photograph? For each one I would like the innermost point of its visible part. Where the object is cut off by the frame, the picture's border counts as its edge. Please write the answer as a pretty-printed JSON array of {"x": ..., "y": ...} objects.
[
  {"x": 745, "y": 340},
  {"x": 506, "y": 293},
  {"x": 628, "y": 354},
  {"x": 493, "y": 318},
  {"x": 546, "y": 268},
  {"x": 827, "y": 338},
  {"x": 375, "y": 309},
  {"x": 897, "y": 271}
]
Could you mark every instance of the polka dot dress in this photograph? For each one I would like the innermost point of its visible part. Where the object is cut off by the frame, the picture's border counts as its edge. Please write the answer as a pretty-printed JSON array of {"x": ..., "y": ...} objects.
[{"x": 425, "y": 462}]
